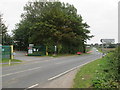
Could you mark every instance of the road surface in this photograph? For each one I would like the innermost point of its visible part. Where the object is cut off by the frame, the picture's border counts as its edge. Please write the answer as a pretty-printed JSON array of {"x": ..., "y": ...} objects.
[{"x": 36, "y": 73}]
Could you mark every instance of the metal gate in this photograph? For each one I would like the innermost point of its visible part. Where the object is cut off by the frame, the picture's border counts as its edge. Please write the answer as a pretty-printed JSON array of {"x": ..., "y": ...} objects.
[
  {"x": 37, "y": 51},
  {"x": 6, "y": 52}
]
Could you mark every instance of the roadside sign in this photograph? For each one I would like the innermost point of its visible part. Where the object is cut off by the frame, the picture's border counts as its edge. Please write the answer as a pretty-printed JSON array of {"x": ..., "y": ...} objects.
[
  {"x": 31, "y": 45},
  {"x": 107, "y": 41}
]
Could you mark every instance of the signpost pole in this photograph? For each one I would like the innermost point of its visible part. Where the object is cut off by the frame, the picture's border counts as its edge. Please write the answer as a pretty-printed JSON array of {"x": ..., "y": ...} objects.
[
  {"x": 102, "y": 50},
  {"x": 106, "y": 42}
]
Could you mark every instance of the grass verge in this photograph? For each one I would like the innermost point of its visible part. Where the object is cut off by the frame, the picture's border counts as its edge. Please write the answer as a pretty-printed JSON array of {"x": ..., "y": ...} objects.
[
  {"x": 87, "y": 73},
  {"x": 5, "y": 62},
  {"x": 101, "y": 73}
]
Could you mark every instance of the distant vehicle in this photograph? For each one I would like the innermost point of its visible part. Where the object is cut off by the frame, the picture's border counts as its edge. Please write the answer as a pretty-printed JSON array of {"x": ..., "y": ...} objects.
[
  {"x": 78, "y": 53},
  {"x": 96, "y": 50}
]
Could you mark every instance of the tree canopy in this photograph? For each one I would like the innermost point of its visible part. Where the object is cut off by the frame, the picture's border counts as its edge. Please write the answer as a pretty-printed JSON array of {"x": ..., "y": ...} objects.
[
  {"x": 4, "y": 36},
  {"x": 52, "y": 23}
]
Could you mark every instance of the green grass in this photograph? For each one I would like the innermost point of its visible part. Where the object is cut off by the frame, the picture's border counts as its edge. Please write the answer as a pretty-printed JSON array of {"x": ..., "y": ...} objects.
[
  {"x": 6, "y": 61},
  {"x": 87, "y": 73},
  {"x": 100, "y": 50}
]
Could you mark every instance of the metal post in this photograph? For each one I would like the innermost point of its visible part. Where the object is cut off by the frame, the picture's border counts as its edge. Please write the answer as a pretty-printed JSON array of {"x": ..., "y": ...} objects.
[{"x": 106, "y": 49}]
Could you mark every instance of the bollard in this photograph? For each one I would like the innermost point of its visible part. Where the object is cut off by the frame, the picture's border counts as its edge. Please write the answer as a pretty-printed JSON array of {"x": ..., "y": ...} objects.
[{"x": 11, "y": 51}]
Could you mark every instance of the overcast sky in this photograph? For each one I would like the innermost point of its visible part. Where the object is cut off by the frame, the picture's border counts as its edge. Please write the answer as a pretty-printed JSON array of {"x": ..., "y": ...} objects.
[{"x": 100, "y": 15}]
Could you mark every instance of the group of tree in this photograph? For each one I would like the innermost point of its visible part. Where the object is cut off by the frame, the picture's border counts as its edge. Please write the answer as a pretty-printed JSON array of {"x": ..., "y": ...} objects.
[
  {"x": 5, "y": 38},
  {"x": 50, "y": 24}
]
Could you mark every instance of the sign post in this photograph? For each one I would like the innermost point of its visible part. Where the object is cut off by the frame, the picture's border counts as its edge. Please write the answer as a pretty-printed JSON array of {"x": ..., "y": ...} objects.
[
  {"x": 106, "y": 42},
  {"x": 30, "y": 51}
]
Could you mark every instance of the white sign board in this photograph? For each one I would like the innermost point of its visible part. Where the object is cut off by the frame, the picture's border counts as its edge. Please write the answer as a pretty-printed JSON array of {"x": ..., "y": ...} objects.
[
  {"x": 31, "y": 45},
  {"x": 30, "y": 51},
  {"x": 107, "y": 41}
]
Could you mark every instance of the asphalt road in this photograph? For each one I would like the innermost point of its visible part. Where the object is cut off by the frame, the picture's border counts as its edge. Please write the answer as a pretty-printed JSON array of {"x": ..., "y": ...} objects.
[{"x": 39, "y": 72}]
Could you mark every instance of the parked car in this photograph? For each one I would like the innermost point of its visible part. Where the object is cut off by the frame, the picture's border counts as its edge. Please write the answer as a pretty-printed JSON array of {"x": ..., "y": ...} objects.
[{"x": 78, "y": 53}]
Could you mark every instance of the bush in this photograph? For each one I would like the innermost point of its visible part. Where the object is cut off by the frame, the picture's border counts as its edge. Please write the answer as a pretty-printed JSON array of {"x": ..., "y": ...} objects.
[{"x": 110, "y": 76}]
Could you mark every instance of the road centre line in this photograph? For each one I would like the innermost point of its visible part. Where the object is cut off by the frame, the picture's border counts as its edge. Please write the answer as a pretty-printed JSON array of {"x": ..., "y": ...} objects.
[
  {"x": 20, "y": 71},
  {"x": 29, "y": 69},
  {"x": 62, "y": 73},
  {"x": 26, "y": 70},
  {"x": 33, "y": 86},
  {"x": 68, "y": 71}
]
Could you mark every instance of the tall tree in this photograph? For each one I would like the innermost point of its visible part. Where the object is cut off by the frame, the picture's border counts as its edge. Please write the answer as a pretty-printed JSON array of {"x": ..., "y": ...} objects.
[
  {"x": 5, "y": 38},
  {"x": 53, "y": 24}
]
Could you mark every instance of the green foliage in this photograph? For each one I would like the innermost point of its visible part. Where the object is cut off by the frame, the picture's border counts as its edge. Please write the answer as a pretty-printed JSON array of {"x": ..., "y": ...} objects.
[
  {"x": 7, "y": 60},
  {"x": 6, "y": 39},
  {"x": 103, "y": 73},
  {"x": 21, "y": 35},
  {"x": 86, "y": 74},
  {"x": 110, "y": 76},
  {"x": 50, "y": 24},
  {"x": 37, "y": 54}
]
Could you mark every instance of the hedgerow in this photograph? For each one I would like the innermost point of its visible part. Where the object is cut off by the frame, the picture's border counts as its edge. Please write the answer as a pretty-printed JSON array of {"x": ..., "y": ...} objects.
[{"x": 109, "y": 77}]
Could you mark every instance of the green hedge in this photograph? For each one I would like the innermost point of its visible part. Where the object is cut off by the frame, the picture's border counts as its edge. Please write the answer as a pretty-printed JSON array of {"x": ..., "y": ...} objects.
[{"x": 110, "y": 76}]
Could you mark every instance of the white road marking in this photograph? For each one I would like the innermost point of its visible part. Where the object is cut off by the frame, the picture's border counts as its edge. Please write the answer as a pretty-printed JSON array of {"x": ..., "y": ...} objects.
[
  {"x": 33, "y": 86},
  {"x": 20, "y": 71},
  {"x": 68, "y": 71}
]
